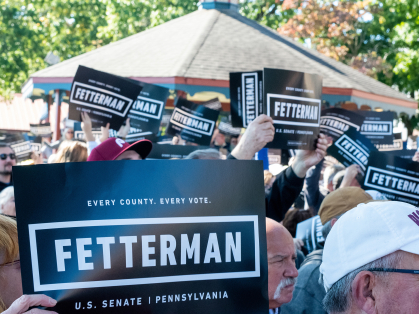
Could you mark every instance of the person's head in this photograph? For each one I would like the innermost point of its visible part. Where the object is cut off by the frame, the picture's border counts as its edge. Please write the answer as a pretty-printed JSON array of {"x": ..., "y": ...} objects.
[
  {"x": 10, "y": 277},
  {"x": 363, "y": 256},
  {"x": 7, "y": 159},
  {"x": 339, "y": 202},
  {"x": 71, "y": 151},
  {"x": 209, "y": 153},
  {"x": 68, "y": 134},
  {"x": 293, "y": 217},
  {"x": 282, "y": 272},
  {"x": 220, "y": 139},
  {"x": 338, "y": 178},
  {"x": 233, "y": 142},
  {"x": 117, "y": 149},
  {"x": 7, "y": 201},
  {"x": 329, "y": 174}
]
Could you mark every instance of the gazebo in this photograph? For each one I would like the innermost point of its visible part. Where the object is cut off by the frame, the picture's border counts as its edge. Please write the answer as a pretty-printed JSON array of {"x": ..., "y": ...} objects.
[{"x": 196, "y": 52}]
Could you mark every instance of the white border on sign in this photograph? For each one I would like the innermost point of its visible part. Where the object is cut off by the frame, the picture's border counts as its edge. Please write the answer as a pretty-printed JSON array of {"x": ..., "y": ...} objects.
[
  {"x": 357, "y": 127},
  {"x": 22, "y": 144},
  {"x": 255, "y": 74},
  {"x": 138, "y": 281},
  {"x": 194, "y": 117},
  {"x": 293, "y": 98},
  {"x": 386, "y": 189},
  {"x": 390, "y": 132},
  {"x": 343, "y": 137},
  {"x": 100, "y": 107},
  {"x": 146, "y": 114}
]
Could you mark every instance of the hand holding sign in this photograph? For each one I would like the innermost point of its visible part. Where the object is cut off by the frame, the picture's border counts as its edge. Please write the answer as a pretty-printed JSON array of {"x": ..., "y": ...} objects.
[
  {"x": 23, "y": 304},
  {"x": 259, "y": 132},
  {"x": 416, "y": 157},
  {"x": 305, "y": 159},
  {"x": 86, "y": 126},
  {"x": 124, "y": 129},
  {"x": 350, "y": 174}
]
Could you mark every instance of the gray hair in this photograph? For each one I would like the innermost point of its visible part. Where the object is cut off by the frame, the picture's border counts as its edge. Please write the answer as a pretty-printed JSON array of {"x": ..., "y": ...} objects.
[
  {"x": 209, "y": 153},
  {"x": 339, "y": 297},
  {"x": 6, "y": 195}
]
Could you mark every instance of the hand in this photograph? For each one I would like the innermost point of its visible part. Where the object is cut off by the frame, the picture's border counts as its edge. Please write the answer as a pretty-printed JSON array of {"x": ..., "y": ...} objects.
[
  {"x": 416, "y": 157},
  {"x": 22, "y": 304},
  {"x": 105, "y": 132},
  {"x": 124, "y": 129},
  {"x": 298, "y": 243},
  {"x": 305, "y": 159},
  {"x": 86, "y": 126},
  {"x": 37, "y": 158},
  {"x": 259, "y": 132},
  {"x": 350, "y": 175}
]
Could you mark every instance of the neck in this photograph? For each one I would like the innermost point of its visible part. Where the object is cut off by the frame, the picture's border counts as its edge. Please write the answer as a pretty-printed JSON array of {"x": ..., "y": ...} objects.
[{"x": 5, "y": 178}]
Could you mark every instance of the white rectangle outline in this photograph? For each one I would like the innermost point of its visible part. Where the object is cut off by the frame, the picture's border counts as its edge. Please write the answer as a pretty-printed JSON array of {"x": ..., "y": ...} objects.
[
  {"x": 379, "y": 122},
  {"x": 386, "y": 189},
  {"x": 195, "y": 117},
  {"x": 255, "y": 74},
  {"x": 39, "y": 145},
  {"x": 293, "y": 98},
  {"x": 344, "y": 136},
  {"x": 22, "y": 144},
  {"x": 146, "y": 114},
  {"x": 134, "y": 135},
  {"x": 400, "y": 141},
  {"x": 100, "y": 107},
  {"x": 139, "y": 221},
  {"x": 40, "y": 130},
  {"x": 344, "y": 121}
]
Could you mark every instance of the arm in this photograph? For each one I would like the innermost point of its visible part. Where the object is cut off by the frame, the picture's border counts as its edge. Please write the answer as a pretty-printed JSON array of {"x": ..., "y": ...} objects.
[
  {"x": 350, "y": 175},
  {"x": 312, "y": 191}
]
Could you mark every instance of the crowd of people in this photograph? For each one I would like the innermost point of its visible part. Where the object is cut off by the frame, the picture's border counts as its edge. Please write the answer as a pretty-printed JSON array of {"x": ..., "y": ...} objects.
[{"x": 370, "y": 259}]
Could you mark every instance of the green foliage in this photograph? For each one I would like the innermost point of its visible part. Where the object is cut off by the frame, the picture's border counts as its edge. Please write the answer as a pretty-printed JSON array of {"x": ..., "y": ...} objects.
[{"x": 31, "y": 29}]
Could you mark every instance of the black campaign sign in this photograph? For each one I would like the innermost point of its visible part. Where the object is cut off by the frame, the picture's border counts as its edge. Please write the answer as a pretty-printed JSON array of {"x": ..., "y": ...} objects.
[
  {"x": 293, "y": 101},
  {"x": 377, "y": 126},
  {"x": 395, "y": 177},
  {"x": 171, "y": 242},
  {"x": 246, "y": 97},
  {"x": 147, "y": 111},
  {"x": 352, "y": 148},
  {"x": 336, "y": 121},
  {"x": 43, "y": 130},
  {"x": 194, "y": 123},
  {"x": 105, "y": 97}
]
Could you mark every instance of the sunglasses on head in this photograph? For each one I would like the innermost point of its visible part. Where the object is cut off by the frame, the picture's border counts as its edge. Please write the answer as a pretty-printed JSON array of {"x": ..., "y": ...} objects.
[{"x": 4, "y": 156}]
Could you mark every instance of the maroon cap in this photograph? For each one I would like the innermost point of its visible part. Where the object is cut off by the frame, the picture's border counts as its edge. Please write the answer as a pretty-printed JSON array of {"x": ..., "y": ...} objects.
[{"x": 113, "y": 147}]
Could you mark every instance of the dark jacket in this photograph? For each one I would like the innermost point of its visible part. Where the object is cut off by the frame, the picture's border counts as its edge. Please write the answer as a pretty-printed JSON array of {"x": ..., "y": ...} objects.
[
  {"x": 313, "y": 193},
  {"x": 308, "y": 293}
]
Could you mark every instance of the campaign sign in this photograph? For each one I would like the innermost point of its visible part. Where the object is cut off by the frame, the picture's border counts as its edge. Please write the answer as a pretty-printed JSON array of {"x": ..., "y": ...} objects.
[
  {"x": 154, "y": 236},
  {"x": 22, "y": 149},
  {"x": 377, "y": 126},
  {"x": 397, "y": 144},
  {"x": 164, "y": 151},
  {"x": 336, "y": 121},
  {"x": 79, "y": 134},
  {"x": 147, "y": 111},
  {"x": 397, "y": 178},
  {"x": 246, "y": 97},
  {"x": 43, "y": 130},
  {"x": 194, "y": 123},
  {"x": 352, "y": 148},
  {"x": 293, "y": 101},
  {"x": 310, "y": 231},
  {"x": 105, "y": 97}
]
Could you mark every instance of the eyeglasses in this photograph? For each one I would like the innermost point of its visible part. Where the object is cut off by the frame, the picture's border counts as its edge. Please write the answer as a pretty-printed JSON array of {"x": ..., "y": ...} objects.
[
  {"x": 394, "y": 270},
  {"x": 4, "y": 156},
  {"x": 16, "y": 262}
]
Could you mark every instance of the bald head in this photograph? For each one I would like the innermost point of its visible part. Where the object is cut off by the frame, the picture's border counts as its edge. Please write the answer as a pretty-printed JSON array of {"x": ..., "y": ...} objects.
[{"x": 281, "y": 264}]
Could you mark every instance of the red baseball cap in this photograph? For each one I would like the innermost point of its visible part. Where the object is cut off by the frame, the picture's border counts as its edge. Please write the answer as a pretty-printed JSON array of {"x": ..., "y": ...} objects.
[{"x": 113, "y": 147}]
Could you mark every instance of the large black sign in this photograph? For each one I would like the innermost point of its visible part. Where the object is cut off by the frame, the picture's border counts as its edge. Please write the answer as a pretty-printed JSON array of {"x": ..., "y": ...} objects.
[
  {"x": 105, "y": 97},
  {"x": 395, "y": 177},
  {"x": 21, "y": 146},
  {"x": 293, "y": 100},
  {"x": 194, "y": 123},
  {"x": 377, "y": 126},
  {"x": 336, "y": 121},
  {"x": 310, "y": 231},
  {"x": 246, "y": 97},
  {"x": 397, "y": 144},
  {"x": 147, "y": 111},
  {"x": 153, "y": 236},
  {"x": 352, "y": 148},
  {"x": 167, "y": 151},
  {"x": 43, "y": 130}
]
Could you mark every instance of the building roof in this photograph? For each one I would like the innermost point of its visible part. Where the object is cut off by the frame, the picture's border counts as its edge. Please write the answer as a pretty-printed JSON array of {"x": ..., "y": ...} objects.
[{"x": 208, "y": 44}]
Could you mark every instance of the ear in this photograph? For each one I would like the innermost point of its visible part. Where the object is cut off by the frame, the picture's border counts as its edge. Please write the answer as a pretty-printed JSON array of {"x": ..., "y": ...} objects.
[
  {"x": 362, "y": 292},
  {"x": 333, "y": 221}
]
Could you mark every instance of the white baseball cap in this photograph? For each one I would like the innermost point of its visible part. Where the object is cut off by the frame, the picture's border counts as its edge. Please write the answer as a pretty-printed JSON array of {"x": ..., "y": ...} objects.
[{"x": 367, "y": 233}]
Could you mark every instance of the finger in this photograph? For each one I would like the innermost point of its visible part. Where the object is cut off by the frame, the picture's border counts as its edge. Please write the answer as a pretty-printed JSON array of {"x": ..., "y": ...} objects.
[
  {"x": 127, "y": 123},
  {"x": 263, "y": 118},
  {"x": 322, "y": 147},
  {"x": 38, "y": 311},
  {"x": 108, "y": 125},
  {"x": 322, "y": 141},
  {"x": 26, "y": 301}
]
